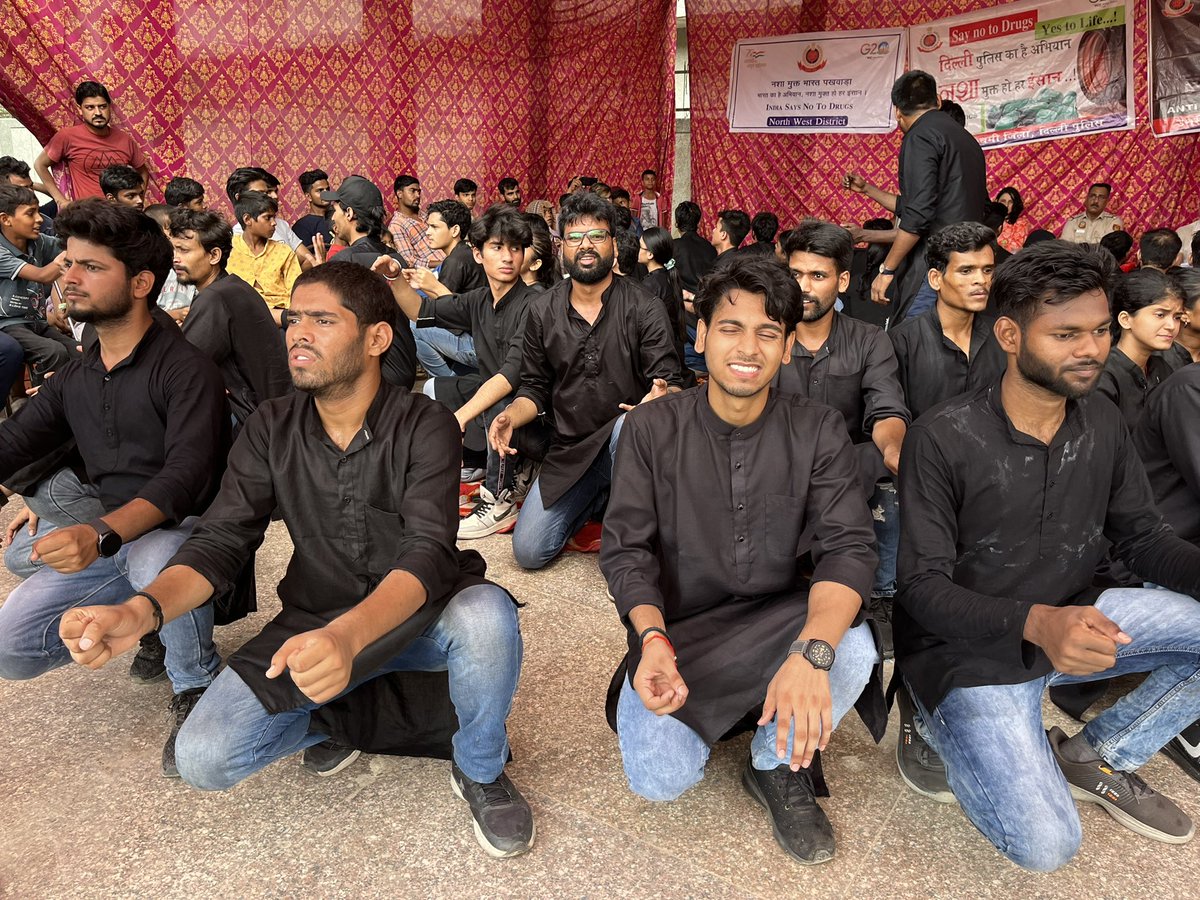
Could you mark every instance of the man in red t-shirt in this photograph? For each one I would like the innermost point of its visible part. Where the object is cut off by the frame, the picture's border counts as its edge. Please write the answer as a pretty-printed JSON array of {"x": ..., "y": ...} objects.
[{"x": 89, "y": 148}]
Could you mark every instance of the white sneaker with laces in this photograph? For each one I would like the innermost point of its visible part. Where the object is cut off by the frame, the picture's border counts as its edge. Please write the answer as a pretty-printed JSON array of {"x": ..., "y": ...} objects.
[{"x": 491, "y": 516}]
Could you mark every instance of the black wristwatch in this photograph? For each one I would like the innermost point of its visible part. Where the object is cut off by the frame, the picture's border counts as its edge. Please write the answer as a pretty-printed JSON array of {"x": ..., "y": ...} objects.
[
  {"x": 819, "y": 653},
  {"x": 884, "y": 270},
  {"x": 108, "y": 542}
]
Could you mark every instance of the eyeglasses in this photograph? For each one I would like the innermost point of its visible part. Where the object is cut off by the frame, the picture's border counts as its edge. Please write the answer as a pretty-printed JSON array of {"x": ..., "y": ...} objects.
[{"x": 595, "y": 236}]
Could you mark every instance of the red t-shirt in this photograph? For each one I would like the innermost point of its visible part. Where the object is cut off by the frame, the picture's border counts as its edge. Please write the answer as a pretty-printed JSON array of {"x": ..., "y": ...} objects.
[{"x": 87, "y": 154}]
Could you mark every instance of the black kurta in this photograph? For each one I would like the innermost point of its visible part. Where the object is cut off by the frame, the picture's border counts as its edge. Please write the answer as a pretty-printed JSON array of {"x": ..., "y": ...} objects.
[
  {"x": 995, "y": 521},
  {"x": 1125, "y": 384},
  {"x": 1168, "y": 440},
  {"x": 708, "y": 521},
  {"x": 388, "y": 501},
  {"x": 932, "y": 368},
  {"x": 582, "y": 373}
]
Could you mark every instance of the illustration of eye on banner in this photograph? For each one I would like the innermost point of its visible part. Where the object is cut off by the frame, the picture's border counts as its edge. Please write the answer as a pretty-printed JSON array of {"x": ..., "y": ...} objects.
[
  {"x": 826, "y": 82},
  {"x": 1174, "y": 64},
  {"x": 1034, "y": 71}
]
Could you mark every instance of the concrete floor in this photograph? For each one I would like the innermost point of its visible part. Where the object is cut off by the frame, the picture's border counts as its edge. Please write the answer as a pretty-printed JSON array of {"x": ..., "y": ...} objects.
[{"x": 86, "y": 812}]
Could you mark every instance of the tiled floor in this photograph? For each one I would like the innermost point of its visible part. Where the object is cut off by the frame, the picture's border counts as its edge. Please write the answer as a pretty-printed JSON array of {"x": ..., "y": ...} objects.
[{"x": 85, "y": 812}]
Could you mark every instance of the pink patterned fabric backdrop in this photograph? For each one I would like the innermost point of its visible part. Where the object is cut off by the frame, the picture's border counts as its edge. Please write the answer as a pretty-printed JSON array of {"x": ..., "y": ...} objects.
[
  {"x": 1156, "y": 180},
  {"x": 476, "y": 88}
]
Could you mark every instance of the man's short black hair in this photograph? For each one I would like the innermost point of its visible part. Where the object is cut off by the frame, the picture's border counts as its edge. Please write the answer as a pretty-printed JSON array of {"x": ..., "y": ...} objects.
[
  {"x": 136, "y": 240},
  {"x": 1118, "y": 243},
  {"x": 403, "y": 181},
  {"x": 253, "y": 204},
  {"x": 955, "y": 112},
  {"x": 210, "y": 229},
  {"x": 1195, "y": 260},
  {"x": 507, "y": 184},
  {"x": 627, "y": 246},
  {"x": 584, "y": 205},
  {"x": 503, "y": 221},
  {"x": 765, "y": 226},
  {"x": 13, "y": 197},
  {"x": 619, "y": 193},
  {"x": 821, "y": 239},
  {"x": 649, "y": 172},
  {"x": 687, "y": 216},
  {"x": 1047, "y": 273},
  {"x": 756, "y": 275},
  {"x": 1188, "y": 283},
  {"x": 181, "y": 190},
  {"x": 1101, "y": 184},
  {"x": 88, "y": 89},
  {"x": 994, "y": 214},
  {"x": 1159, "y": 247},
  {"x": 452, "y": 213},
  {"x": 363, "y": 292},
  {"x": 465, "y": 186},
  {"x": 961, "y": 237},
  {"x": 736, "y": 224},
  {"x": 622, "y": 218},
  {"x": 914, "y": 91},
  {"x": 119, "y": 178},
  {"x": 240, "y": 179},
  {"x": 311, "y": 177},
  {"x": 10, "y": 165},
  {"x": 160, "y": 213}
]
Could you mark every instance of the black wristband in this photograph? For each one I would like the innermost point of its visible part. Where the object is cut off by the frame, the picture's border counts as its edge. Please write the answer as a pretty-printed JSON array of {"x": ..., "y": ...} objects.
[
  {"x": 158, "y": 613},
  {"x": 653, "y": 629}
]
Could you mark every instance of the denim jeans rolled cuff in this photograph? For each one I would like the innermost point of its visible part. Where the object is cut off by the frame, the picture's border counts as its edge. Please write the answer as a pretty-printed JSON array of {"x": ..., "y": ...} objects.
[
  {"x": 663, "y": 757},
  {"x": 885, "y": 515},
  {"x": 477, "y": 641}
]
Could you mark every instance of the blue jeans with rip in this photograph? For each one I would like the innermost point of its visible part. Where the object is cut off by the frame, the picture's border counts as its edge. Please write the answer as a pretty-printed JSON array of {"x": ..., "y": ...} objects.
[
  {"x": 438, "y": 348},
  {"x": 664, "y": 757},
  {"x": 477, "y": 640},
  {"x": 885, "y": 514},
  {"x": 993, "y": 743},
  {"x": 29, "y": 641}
]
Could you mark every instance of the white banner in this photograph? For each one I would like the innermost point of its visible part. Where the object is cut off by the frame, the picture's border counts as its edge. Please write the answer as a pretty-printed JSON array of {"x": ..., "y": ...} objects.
[
  {"x": 831, "y": 81},
  {"x": 1034, "y": 71}
]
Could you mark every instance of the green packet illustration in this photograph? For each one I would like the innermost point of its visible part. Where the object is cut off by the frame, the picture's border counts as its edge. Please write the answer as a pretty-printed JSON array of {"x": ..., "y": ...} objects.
[{"x": 1044, "y": 107}]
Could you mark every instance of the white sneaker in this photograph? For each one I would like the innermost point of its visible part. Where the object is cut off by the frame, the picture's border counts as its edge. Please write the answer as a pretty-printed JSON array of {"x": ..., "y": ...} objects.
[{"x": 490, "y": 517}]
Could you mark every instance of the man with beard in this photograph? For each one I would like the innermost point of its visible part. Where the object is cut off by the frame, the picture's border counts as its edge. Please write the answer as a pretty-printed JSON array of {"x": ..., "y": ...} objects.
[
  {"x": 594, "y": 345},
  {"x": 408, "y": 227},
  {"x": 147, "y": 412},
  {"x": 227, "y": 319},
  {"x": 90, "y": 147},
  {"x": 366, "y": 475},
  {"x": 849, "y": 365},
  {"x": 717, "y": 493},
  {"x": 1012, "y": 494}
]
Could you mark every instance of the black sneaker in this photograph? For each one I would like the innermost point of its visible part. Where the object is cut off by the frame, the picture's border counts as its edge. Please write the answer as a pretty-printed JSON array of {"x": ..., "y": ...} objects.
[
  {"x": 1123, "y": 795},
  {"x": 329, "y": 757},
  {"x": 1185, "y": 750},
  {"x": 920, "y": 766},
  {"x": 801, "y": 827},
  {"x": 181, "y": 707},
  {"x": 503, "y": 821},
  {"x": 149, "y": 665},
  {"x": 881, "y": 611}
]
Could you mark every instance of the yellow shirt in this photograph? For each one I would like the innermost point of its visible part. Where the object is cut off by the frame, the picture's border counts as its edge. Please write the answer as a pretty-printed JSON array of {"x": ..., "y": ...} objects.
[{"x": 272, "y": 272}]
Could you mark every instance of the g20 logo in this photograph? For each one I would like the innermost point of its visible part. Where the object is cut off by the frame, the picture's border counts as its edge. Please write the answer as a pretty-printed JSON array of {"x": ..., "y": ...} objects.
[{"x": 875, "y": 49}]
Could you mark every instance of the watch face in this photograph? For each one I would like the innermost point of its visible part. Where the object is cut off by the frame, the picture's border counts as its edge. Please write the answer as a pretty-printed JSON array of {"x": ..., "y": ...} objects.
[{"x": 820, "y": 654}]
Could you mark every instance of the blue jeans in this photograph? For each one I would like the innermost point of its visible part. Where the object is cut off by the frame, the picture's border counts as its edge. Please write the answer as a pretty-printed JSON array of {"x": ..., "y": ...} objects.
[
  {"x": 885, "y": 513},
  {"x": 438, "y": 347},
  {"x": 29, "y": 641},
  {"x": 230, "y": 736},
  {"x": 59, "y": 501},
  {"x": 925, "y": 300},
  {"x": 999, "y": 763},
  {"x": 663, "y": 757},
  {"x": 692, "y": 359},
  {"x": 541, "y": 532},
  {"x": 12, "y": 363}
]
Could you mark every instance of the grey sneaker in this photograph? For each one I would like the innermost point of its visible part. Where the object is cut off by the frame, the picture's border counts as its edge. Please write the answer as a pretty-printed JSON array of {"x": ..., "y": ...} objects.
[
  {"x": 150, "y": 663},
  {"x": 523, "y": 479},
  {"x": 1123, "y": 795},
  {"x": 800, "y": 825},
  {"x": 920, "y": 766},
  {"x": 503, "y": 820},
  {"x": 328, "y": 758},
  {"x": 489, "y": 517}
]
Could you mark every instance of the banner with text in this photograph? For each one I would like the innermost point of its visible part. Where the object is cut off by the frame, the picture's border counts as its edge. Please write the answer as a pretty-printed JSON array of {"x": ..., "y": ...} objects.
[
  {"x": 1034, "y": 71},
  {"x": 823, "y": 82},
  {"x": 1174, "y": 63}
]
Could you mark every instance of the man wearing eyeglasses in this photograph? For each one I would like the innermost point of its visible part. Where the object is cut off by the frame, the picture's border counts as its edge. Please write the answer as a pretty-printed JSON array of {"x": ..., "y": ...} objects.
[{"x": 597, "y": 346}]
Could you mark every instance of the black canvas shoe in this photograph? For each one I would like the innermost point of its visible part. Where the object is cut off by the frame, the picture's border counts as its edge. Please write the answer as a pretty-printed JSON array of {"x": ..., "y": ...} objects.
[
  {"x": 920, "y": 766},
  {"x": 329, "y": 757},
  {"x": 149, "y": 665},
  {"x": 1123, "y": 795},
  {"x": 503, "y": 820},
  {"x": 1184, "y": 750},
  {"x": 800, "y": 825},
  {"x": 181, "y": 707}
]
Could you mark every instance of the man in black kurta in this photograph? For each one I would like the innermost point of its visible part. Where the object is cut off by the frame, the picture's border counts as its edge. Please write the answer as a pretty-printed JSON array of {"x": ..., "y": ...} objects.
[
  {"x": 595, "y": 345},
  {"x": 718, "y": 493},
  {"x": 365, "y": 478}
]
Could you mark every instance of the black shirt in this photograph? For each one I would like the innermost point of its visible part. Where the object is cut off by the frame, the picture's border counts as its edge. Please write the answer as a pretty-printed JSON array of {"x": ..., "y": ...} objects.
[
  {"x": 1168, "y": 441},
  {"x": 933, "y": 368},
  {"x": 995, "y": 521},
  {"x": 311, "y": 225},
  {"x": 1125, "y": 384},
  {"x": 708, "y": 521},
  {"x": 400, "y": 360},
  {"x": 498, "y": 329},
  {"x": 234, "y": 328},
  {"x": 582, "y": 373},
  {"x": 388, "y": 501},
  {"x": 459, "y": 272},
  {"x": 154, "y": 428},
  {"x": 694, "y": 258}
]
